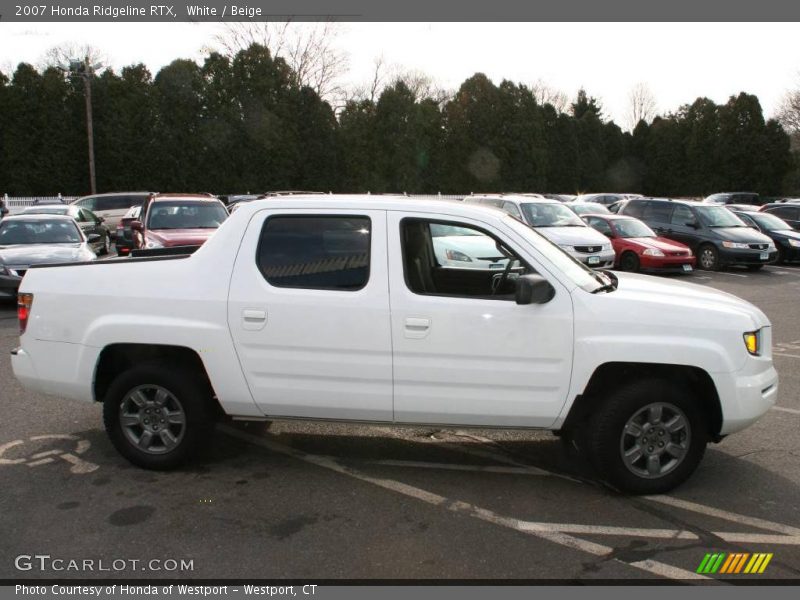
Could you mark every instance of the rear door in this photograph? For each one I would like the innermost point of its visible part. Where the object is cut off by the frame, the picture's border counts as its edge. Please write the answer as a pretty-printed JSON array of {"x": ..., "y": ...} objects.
[
  {"x": 464, "y": 351},
  {"x": 308, "y": 309}
]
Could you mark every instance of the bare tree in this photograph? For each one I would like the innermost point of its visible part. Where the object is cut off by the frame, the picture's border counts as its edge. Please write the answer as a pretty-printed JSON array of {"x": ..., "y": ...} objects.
[
  {"x": 642, "y": 105},
  {"x": 308, "y": 48},
  {"x": 62, "y": 55},
  {"x": 789, "y": 111},
  {"x": 421, "y": 85},
  {"x": 544, "y": 93}
]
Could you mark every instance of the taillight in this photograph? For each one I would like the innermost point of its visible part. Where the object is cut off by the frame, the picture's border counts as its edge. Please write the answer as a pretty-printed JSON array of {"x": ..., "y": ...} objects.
[{"x": 24, "y": 303}]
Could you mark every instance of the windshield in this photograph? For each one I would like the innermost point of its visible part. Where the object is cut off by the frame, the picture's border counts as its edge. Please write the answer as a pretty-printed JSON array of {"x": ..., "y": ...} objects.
[
  {"x": 185, "y": 214},
  {"x": 718, "y": 216},
  {"x": 18, "y": 232},
  {"x": 769, "y": 222},
  {"x": 590, "y": 209},
  {"x": 632, "y": 228},
  {"x": 576, "y": 271},
  {"x": 550, "y": 215}
]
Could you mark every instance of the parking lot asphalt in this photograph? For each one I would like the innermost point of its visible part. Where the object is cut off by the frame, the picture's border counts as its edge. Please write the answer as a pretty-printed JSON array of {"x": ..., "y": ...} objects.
[{"x": 317, "y": 501}]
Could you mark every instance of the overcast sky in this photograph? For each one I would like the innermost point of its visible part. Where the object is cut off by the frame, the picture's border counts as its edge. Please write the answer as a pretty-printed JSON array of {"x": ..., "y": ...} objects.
[{"x": 678, "y": 61}]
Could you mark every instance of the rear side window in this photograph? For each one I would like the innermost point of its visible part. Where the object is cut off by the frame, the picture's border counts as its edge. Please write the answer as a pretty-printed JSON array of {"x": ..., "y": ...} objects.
[
  {"x": 657, "y": 211},
  {"x": 512, "y": 209},
  {"x": 87, "y": 203},
  {"x": 315, "y": 252},
  {"x": 633, "y": 209},
  {"x": 784, "y": 212}
]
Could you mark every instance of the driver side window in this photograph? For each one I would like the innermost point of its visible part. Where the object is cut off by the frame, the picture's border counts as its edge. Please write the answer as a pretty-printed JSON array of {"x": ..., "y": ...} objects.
[{"x": 455, "y": 259}]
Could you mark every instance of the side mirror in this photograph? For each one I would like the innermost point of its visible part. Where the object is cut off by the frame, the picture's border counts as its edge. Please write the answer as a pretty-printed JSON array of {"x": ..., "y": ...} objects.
[
  {"x": 93, "y": 237},
  {"x": 533, "y": 289},
  {"x": 137, "y": 225}
]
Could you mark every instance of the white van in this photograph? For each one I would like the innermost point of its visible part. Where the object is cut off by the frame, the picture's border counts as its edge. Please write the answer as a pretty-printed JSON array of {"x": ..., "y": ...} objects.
[{"x": 112, "y": 207}]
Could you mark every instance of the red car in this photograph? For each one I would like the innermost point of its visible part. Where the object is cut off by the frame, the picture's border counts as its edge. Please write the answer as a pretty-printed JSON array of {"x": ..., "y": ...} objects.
[
  {"x": 177, "y": 220},
  {"x": 638, "y": 248}
]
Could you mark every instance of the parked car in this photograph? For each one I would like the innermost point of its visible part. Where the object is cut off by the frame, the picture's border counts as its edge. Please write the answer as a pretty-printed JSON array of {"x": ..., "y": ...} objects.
[
  {"x": 113, "y": 206},
  {"x": 748, "y": 198},
  {"x": 466, "y": 248},
  {"x": 89, "y": 222},
  {"x": 27, "y": 240},
  {"x": 587, "y": 208},
  {"x": 717, "y": 237},
  {"x": 786, "y": 239},
  {"x": 336, "y": 308},
  {"x": 177, "y": 220},
  {"x": 788, "y": 211},
  {"x": 557, "y": 223},
  {"x": 638, "y": 248},
  {"x": 605, "y": 199},
  {"x": 123, "y": 241}
]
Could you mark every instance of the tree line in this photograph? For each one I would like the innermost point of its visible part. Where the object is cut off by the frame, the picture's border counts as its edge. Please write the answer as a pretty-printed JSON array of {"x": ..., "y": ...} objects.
[{"x": 245, "y": 124}]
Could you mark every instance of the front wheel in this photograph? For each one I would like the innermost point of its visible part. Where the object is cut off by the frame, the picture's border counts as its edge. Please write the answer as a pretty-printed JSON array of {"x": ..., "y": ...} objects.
[
  {"x": 708, "y": 258},
  {"x": 648, "y": 437},
  {"x": 157, "y": 417},
  {"x": 629, "y": 262}
]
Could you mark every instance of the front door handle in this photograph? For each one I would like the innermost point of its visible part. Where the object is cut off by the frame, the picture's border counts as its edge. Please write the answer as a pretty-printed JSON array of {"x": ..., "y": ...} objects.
[
  {"x": 417, "y": 327},
  {"x": 253, "y": 319}
]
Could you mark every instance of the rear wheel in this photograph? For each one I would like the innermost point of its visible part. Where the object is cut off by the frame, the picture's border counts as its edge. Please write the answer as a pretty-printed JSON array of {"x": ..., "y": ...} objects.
[
  {"x": 708, "y": 258},
  {"x": 648, "y": 437},
  {"x": 157, "y": 417},
  {"x": 629, "y": 261}
]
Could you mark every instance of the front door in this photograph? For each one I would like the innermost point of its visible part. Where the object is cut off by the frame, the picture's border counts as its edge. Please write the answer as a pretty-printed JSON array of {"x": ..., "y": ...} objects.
[
  {"x": 464, "y": 351},
  {"x": 308, "y": 310}
]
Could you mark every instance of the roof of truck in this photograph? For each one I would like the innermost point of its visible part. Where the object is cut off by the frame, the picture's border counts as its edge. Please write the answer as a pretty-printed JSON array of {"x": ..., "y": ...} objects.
[{"x": 370, "y": 202}]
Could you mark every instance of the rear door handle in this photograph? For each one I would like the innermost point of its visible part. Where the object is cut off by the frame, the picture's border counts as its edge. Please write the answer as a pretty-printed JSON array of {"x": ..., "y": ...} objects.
[
  {"x": 253, "y": 319},
  {"x": 417, "y": 327}
]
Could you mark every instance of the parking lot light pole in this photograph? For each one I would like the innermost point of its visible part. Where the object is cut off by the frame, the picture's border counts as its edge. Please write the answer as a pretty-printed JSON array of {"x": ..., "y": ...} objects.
[{"x": 85, "y": 69}]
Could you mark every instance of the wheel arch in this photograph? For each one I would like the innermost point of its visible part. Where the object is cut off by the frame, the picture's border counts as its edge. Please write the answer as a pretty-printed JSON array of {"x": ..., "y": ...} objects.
[
  {"x": 117, "y": 358},
  {"x": 614, "y": 374}
]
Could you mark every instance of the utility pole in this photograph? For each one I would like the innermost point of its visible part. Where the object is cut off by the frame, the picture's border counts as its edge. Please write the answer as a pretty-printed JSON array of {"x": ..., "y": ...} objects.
[{"x": 85, "y": 70}]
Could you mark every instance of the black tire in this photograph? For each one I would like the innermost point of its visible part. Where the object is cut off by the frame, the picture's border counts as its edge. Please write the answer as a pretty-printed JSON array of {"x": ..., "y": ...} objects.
[
  {"x": 629, "y": 261},
  {"x": 708, "y": 258},
  {"x": 193, "y": 397},
  {"x": 754, "y": 267},
  {"x": 781, "y": 256},
  {"x": 606, "y": 437}
]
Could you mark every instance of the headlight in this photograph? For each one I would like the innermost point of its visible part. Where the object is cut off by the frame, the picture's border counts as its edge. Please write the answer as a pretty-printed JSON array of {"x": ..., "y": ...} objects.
[
  {"x": 606, "y": 247},
  {"x": 795, "y": 243},
  {"x": 456, "y": 255},
  {"x": 653, "y": 252},
  {"x": 771, "y": 247},
  {"x": 566, "y": 248},
  {"x": 735, "y": 245},
  {"x": 153, "y": 244},
  {"x": 752, "y": 341}
]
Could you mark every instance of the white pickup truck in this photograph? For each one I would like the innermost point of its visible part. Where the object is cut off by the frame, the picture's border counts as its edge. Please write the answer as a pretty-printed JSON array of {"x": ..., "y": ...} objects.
[{"x": 336, "y": 307}]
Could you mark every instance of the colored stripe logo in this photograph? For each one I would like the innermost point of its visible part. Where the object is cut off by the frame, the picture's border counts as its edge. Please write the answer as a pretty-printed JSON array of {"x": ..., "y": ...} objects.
[{"x": 735, "y": 563}]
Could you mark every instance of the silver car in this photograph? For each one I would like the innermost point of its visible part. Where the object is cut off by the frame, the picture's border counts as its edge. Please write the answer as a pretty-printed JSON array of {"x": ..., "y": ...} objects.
[{"x": 557, "y": 223}]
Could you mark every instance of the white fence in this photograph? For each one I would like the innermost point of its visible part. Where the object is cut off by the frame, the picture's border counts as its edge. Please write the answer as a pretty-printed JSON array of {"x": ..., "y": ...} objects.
[{"x": 15, "y": 204}]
